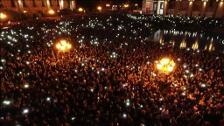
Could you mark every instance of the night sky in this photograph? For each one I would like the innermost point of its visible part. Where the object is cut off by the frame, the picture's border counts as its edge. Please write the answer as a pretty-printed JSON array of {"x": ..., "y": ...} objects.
[{"x": 92, "y": 3}]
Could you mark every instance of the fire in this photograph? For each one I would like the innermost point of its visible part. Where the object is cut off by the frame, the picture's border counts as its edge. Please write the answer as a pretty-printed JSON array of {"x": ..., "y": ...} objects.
[
  {"x": 165, "y": 65},
  {"x": 63, "y": 46}
]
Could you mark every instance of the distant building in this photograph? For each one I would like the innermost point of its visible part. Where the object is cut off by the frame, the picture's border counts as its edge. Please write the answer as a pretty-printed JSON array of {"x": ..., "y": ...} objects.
[
  {"x": 209, "y": 8},
  {"x": 36, "y": 6}
]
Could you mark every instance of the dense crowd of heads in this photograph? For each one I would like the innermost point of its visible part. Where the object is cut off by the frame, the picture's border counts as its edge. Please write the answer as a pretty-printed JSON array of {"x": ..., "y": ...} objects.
[{"x": 108, "y": 78}]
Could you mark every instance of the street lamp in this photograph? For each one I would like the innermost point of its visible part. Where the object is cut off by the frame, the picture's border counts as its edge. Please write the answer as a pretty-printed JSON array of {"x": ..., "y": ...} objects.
[
  {"x": 63, "y": 45},
  {"x": 165, "y": 65}
]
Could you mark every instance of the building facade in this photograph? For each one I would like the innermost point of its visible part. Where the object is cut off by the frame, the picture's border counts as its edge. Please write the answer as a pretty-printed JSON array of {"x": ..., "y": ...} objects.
[
  {"x": 209, "y": 8},
  {"x": 36, "y": 6}
]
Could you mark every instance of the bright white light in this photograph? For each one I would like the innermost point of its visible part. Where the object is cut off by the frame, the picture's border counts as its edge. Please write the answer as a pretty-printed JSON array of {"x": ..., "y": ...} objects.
[
  {"x": 73, "y": 118},
  {"x": 3, "y": 60},
  {"x": 124, "y": 115},
  {"x": 91, "y": 89},
  {"x": 184, "y": 66},
  {"x": 6, "y": 102},
  {"x": 27, "y": 62},
  {"x": 26, "y": 85},
  {"x": 127, "y": 102},
  {"x": 183, "y": 93},
  {"x": 25, "y": 111},
  {"x": 48, "y": 99},
  {"x": 203, "y": 85},
  {"x": 200, "y": 69}
]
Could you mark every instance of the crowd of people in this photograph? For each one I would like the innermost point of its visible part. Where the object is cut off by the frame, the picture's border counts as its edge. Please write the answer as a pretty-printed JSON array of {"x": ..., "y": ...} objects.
[{"x": 108, "y": 78}]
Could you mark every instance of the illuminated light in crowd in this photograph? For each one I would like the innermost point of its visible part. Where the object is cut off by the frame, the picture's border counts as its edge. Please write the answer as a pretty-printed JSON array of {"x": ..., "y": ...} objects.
[
  {"x": 3, "y": 60},
  {"x": 203, "y": 85},
  {"x": 126, "y": 5},
  {"x": 183, "y": 93},
  {"x": 99, "y": 8},
  {"x": 63, "y": 46},
  {"x": 191, "y": 75},
  {"x": 73, "y": 118},
  {"x": 125, "y": 85},
  {"x": 185, "y": 66},
  {"x": 6, "y": 102},
  {"x": 127, "y": 102},
  {"x": 107, "y": 5},
  {"x": 80, "y": 9},
  {"x": 25, "y": 11},
  {"x": 51, "y": 12},
  {"x": 27, "y": 62},
  {"x": 113, "y": 55},
  {"x": 3, "y": 16},
  {"x": 196, "y": 65},
  {"x": 98, "y": 72},
  {"x": 166, "y": 65},
  {"x": 124, "y": 115},
  {"x": 48, "y": 99},
  {"x": 141, "y": 106},
  {"x": 26, "y": 85},
  {"x": 1, "y": 67},
  {"x": 92, "y": 90},
  {"x": 153, "y": 74},
  {"x": 160, "y": 99},
  {"x": 25, "y": 111},
  {"x": 187, "y": 71}
]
